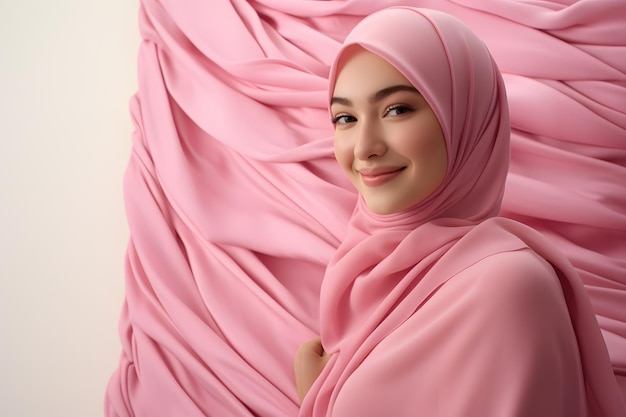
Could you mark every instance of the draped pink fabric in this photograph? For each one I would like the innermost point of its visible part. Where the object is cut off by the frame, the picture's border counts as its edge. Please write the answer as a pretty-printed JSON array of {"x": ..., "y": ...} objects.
[{"x": 236, "y": 205}]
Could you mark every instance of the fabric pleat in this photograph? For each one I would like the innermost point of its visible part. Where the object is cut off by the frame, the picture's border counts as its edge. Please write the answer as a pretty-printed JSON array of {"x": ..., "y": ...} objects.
[{"x": 236, "y": 205}]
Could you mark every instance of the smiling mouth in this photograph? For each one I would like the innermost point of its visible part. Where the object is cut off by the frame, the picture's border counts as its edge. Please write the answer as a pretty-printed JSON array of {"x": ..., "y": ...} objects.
[{"x": 375, "y": 179}]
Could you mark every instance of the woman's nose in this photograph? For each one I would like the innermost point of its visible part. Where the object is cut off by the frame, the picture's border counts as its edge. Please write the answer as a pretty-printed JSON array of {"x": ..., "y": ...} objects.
[{"x": 369, "y": 142}]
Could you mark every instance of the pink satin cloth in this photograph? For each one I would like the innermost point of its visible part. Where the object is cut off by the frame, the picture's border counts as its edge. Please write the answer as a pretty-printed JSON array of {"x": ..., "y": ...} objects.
[{"x": 236, "y": 205}]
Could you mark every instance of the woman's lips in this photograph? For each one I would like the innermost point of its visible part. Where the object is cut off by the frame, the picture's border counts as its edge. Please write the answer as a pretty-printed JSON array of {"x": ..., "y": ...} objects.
[{"x": 377, "y": 177}]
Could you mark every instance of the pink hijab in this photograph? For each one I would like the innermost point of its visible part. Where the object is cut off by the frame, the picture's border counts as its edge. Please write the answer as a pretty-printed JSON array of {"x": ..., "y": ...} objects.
[{"x": 388, "y": 269}]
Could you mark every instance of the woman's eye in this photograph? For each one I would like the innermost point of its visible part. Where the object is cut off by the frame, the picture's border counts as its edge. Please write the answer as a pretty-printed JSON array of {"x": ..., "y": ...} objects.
[
  {"x": 397, "y": 110},
  {"x": 343, "y": 119}
]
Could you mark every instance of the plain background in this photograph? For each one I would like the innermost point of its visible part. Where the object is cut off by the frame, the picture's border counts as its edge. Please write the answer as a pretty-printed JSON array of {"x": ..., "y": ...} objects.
[{"x": 67, "y": 72}]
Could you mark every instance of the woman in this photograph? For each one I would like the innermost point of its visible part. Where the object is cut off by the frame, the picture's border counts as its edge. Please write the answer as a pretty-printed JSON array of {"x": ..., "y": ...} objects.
[{"x": 433, "y": 305}]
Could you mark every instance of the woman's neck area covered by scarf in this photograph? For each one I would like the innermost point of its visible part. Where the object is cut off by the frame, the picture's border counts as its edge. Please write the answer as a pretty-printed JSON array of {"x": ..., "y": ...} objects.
[
  {"x": 462, "y": 84},
  {"x": 247, "y": 239}
]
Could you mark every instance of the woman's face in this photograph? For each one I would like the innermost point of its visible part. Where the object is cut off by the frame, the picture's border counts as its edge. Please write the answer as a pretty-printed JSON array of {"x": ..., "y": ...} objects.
[{"x": 387, "y": 138}]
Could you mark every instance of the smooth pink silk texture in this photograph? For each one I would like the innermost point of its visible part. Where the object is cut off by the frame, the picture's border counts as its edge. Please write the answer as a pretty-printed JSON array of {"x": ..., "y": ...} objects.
[{"x": 236, "y": 205}]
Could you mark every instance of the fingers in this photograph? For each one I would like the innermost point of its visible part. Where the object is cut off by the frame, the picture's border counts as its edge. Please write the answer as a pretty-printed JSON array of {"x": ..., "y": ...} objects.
[
  {"x": 313, "y": 346},
  {"x": 309, "y": 361}
]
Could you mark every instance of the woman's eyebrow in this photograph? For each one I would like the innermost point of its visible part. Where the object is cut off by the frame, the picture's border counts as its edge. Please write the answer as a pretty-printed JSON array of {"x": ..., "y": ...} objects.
[
  {"x": 340, "y": 100},
  {"x": 386, "y": 92},
  {"x": 377, "y": 96}
]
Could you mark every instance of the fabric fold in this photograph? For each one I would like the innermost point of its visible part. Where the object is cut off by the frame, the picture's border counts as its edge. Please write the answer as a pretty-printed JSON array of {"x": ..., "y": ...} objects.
[{"x": 236, "y": 205}]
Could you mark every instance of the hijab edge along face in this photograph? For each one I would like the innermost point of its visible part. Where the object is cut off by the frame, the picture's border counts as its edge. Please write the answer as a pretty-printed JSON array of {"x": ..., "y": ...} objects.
[
  {"x": 387, "y": 138},
  {"x": 462, "y": 85}
]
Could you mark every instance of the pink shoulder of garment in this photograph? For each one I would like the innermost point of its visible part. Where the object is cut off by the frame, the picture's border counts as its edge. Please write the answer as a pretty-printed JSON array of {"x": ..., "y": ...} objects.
[{"x": 236, "y": 206}]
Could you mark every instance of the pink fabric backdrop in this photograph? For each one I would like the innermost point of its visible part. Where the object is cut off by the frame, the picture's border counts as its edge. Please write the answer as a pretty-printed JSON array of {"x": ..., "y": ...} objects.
[{"x": 235, "y": 203}]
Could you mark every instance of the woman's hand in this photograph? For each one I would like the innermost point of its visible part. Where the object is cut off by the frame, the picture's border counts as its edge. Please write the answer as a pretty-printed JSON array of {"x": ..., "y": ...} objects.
[{"x": 309, "y": 362}]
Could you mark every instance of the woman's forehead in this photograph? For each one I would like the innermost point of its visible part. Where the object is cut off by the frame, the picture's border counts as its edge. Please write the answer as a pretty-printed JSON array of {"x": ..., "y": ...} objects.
[{"x": 362, "y": 73}]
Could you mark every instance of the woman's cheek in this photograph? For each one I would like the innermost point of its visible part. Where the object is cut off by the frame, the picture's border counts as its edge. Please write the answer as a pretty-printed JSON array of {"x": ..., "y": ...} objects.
[{"x": 343, "y": 153}]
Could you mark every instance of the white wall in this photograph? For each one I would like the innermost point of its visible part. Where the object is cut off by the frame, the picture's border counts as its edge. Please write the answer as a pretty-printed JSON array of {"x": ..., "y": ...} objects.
[{"x": 67, "y": 72}]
